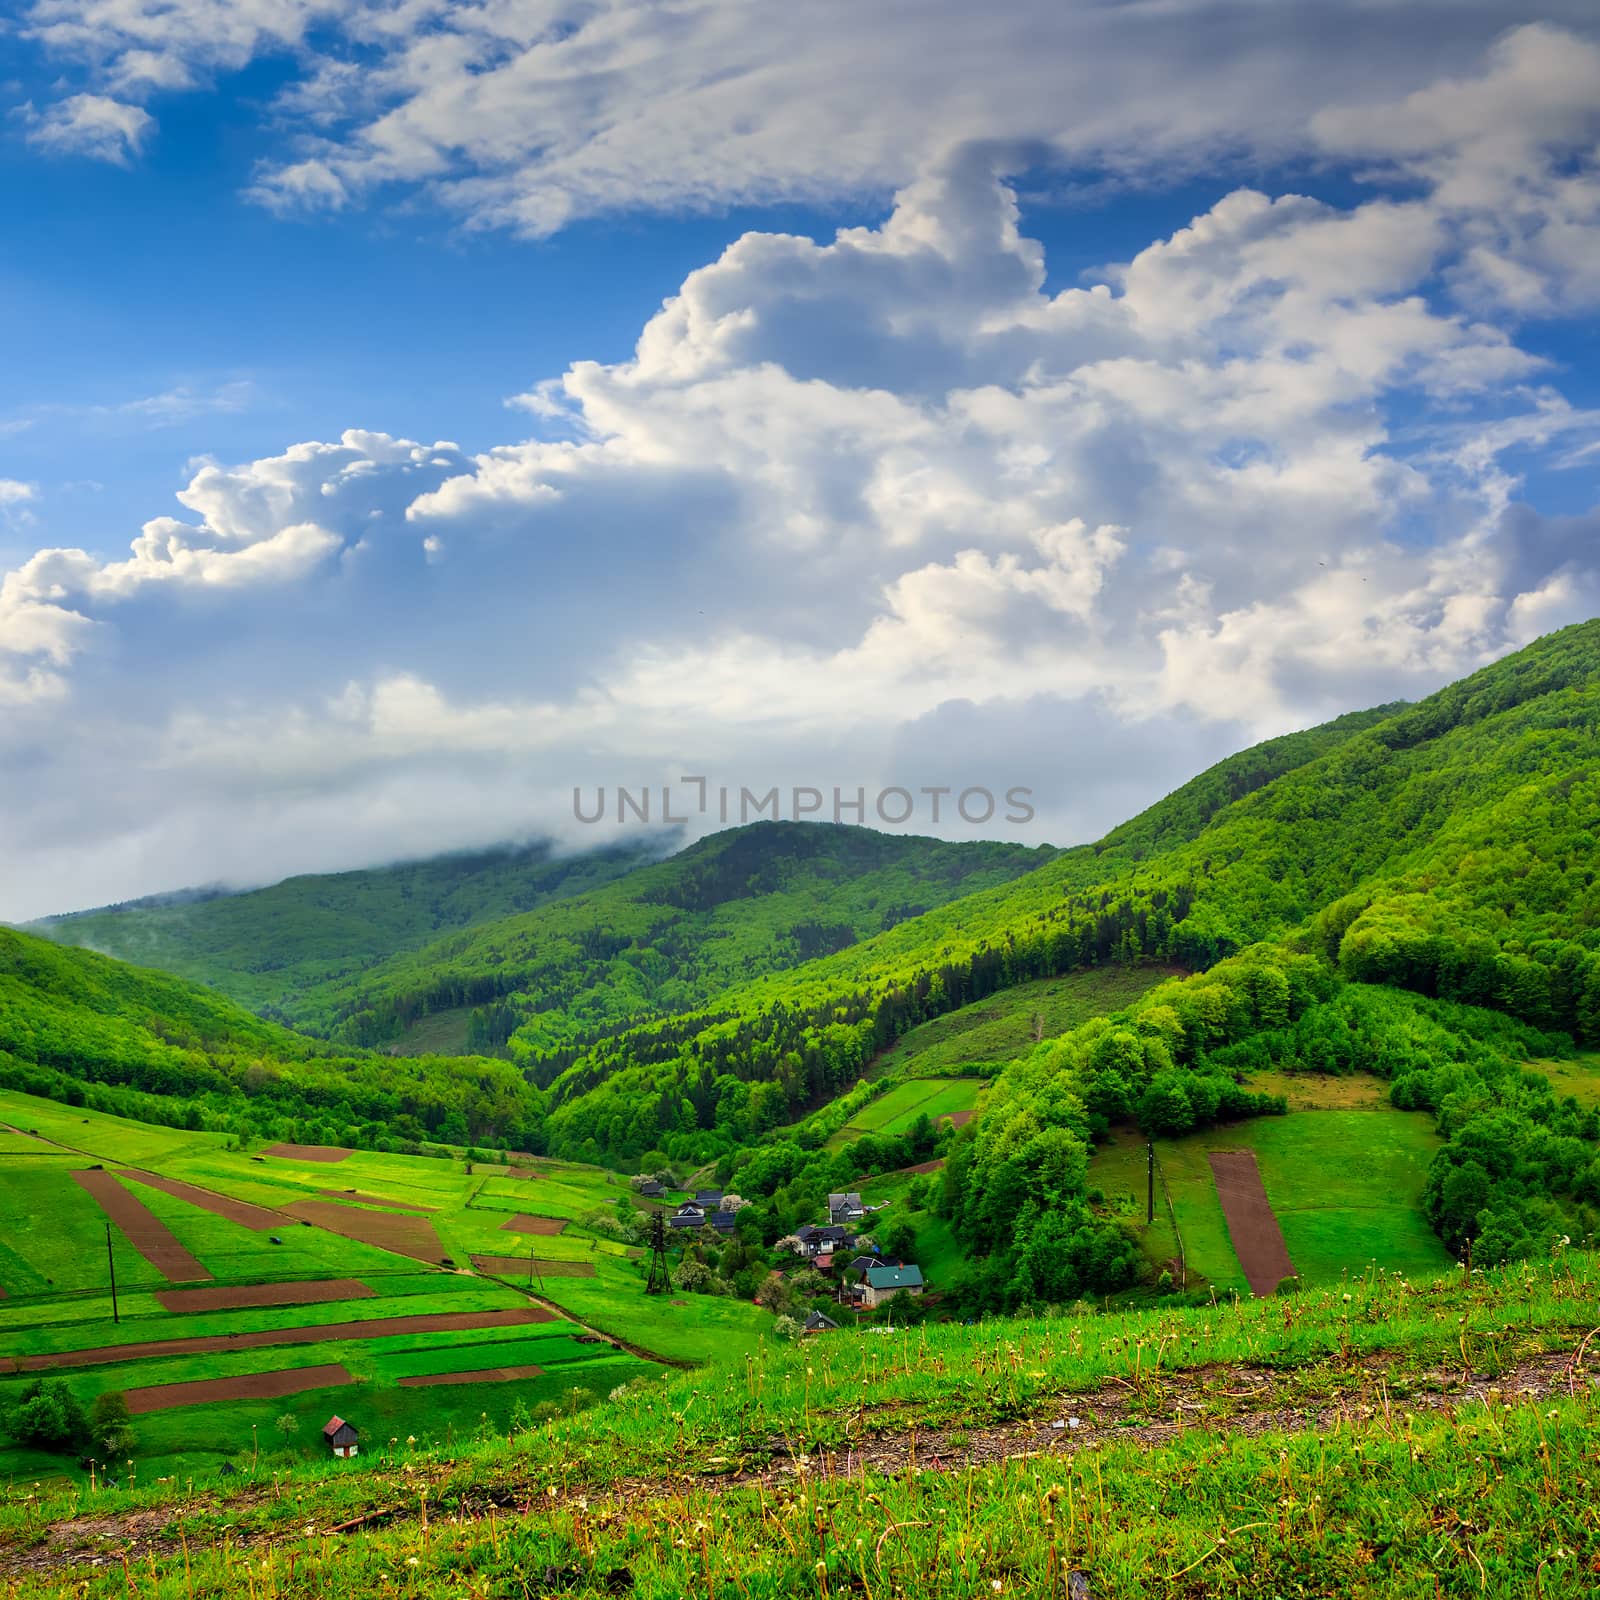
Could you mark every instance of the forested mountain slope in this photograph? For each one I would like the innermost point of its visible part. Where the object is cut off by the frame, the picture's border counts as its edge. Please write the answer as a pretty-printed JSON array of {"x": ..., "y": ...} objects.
[
  {"x": 667, "y": 937},
  {"x": 1448, "y": 847},
  {"x": 276, "y": 949},
  {"x": 79, "y": 1027}
]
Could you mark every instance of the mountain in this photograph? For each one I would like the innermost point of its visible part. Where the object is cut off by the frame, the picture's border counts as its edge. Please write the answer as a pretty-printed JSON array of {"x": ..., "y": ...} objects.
[
  {"x": 275, "y": 949},
  {"x": 664, "y": 939},
  {"x": 1410, "y": 891},
  {"x": 82, "y": 1028}
]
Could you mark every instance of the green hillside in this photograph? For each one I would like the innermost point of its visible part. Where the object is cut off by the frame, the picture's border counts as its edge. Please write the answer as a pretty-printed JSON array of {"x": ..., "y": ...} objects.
[
  {"x": 275, "y": 949},
  {"x": 666, "y": 938},
  {"x": 79, "y": 1027}
]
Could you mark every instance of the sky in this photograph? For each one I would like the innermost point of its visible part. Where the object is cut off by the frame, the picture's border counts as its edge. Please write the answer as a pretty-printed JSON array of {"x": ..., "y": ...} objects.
[{"x": 413, "y": 413}]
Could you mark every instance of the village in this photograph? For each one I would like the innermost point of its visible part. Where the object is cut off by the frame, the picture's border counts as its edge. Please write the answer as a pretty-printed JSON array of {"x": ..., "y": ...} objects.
[{"x": 861, "y": 1278}]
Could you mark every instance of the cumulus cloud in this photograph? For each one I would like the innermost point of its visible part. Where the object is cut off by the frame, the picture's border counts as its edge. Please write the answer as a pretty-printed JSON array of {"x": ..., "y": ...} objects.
[
  {"x": 847, "y": 501},
  {"x": 92, "y": 125}
]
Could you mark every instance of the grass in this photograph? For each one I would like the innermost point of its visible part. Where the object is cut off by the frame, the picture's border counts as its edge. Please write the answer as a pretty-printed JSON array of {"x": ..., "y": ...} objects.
[
  {"x": 1346, "y": 1186},
  {"x": 1578, "y": 1077},
  {"x": 897, "y": 1109},
  {"x": 1007, "y": 1025},
  {"x": 1422, "y": 1494}
]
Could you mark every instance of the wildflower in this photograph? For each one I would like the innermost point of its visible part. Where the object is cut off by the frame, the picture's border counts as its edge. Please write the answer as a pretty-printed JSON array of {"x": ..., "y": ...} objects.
[{"x": 411, "y": 1561}]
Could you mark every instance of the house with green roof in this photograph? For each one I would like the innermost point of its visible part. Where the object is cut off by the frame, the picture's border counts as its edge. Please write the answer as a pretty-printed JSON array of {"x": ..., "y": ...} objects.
[{"x": 884, "y": 1283}]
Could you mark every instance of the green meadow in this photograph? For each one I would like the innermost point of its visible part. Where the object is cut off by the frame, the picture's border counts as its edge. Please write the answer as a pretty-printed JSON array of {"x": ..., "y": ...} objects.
[{"x": 1346, "y": 1186}]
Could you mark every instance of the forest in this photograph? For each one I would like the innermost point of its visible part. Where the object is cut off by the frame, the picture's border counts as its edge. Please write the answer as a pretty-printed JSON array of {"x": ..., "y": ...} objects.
[{"x": 1408, "y": 892}]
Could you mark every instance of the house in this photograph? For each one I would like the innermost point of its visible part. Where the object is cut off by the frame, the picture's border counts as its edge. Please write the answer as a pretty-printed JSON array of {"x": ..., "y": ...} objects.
[
  {"x": 863, "y": 1264},
  {"x": 649, "y": 1188},
  {"x": 812, "y": 1241},
  {"x": 709, "y": 1199},
  {"x": 818, "y": 1323},
  {"x": 845, "y": 1208},
  {"x": 884, "y": 1283},
  {"x": 723, "y": 1221},
  {"x": 688, "y": 1215},
  {"x": 341, "y": 1437}
]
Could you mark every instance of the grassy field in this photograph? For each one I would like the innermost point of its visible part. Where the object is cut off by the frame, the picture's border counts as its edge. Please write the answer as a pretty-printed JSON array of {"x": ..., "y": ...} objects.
[
  {"x": 1578, "y": 1077},
  {"x": 54, "y": 1271},
  {"x": 1208, "y": 1470},
  {"x": 1346, "y": 1186},
  {"x": 1008, "y": 1024},
  {"x": 896, "y": 1110}
]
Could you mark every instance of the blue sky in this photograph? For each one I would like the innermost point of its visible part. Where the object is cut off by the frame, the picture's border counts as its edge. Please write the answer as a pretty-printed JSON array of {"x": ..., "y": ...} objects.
[{"x": 1065, "y": 402}]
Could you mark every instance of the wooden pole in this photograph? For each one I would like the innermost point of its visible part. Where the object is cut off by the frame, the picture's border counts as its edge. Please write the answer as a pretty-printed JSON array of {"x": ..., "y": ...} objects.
[
  {"x": 111, "y": 1261},
  {"x": 1150, "y": 1203}
]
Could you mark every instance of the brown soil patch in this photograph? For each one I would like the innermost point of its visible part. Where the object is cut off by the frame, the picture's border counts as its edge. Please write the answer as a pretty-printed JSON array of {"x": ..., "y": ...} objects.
[
  {"x": 403, "y": 1233},
  {"x": 256, "y": 1218},
  {"x": 522, "y": 1224},
  {"x": 428, "y": 1380},
  {"x": 517, "y": 1266},
  {"x": 524, "y": 1172},
  {"x": 307, "y": 1152},
  {"x": 1252, "y": 1224},
  {"x": 233, "y": 1297},
  {"x": 369, "y": 1328},
  {"x": 356, "y": 1197},
  {"x": 144, "y": 1230},
  {"x": 254, "y": 1386},
  {"x": 958, "y": 1119}
]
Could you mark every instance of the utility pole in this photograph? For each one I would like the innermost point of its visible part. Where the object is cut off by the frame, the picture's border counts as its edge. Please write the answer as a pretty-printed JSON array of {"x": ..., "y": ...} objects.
[
  {"x": 1150, "y": 1202},
  {"x": 111, "y": 1261},
  {"x": 658, "y": 1281}
]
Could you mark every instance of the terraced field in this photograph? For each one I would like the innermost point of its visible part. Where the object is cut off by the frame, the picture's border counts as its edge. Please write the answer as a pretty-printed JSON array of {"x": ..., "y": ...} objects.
[{"x": 259, "y": 1292}]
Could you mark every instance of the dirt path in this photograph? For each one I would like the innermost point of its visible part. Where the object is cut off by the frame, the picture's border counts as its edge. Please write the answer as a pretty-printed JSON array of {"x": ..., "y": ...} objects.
[
  {"x": 1252, "y": 1223},
  {"x": 144, "y": 1230},
  {"x": 234, "y": 1297},
  {"x": 368, "y": 1328},
  {"x": 256, "y": 1218},
  {"x": 252, "y": 1386}
]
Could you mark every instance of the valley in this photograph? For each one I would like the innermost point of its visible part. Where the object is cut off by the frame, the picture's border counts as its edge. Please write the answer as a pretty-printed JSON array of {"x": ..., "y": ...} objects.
[{"x": 890, "y": 1102}]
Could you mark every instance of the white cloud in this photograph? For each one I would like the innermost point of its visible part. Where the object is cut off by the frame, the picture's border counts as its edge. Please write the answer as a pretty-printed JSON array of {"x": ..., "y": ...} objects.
[
  {"x": 528, "y": 113},
  {"x": 90, "y": 125},
  {"x": 1263, "y": 472},
  {"x": 13, "y": 491}
]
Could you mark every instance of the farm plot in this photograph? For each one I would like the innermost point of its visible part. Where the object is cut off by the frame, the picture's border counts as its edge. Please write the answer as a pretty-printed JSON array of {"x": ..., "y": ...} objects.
[
  {"x": 145, "y": 1231},
  {"x": 1252, "y": 1227},
  {"x": 899, "y": 1108},
  {"x": 1345, "y": 1185},
  {"x": 527, "y": 1267},
  {"x": 401, "y": 1232},
  {"x": 240, "y": 1296},
  {"x": 253, "y": 1386}
]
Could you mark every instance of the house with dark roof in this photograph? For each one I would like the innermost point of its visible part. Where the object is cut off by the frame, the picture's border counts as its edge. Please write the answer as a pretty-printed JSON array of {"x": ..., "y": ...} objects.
[
  {"x": 688, "y": 1215},
  {"x": 709, "y": 1199},
  {"x": 342, "y": 1439},
  {"x": 812, "y": 1241},
  {"x": 723, "y": 1221},
  {"x": 649, "y": 1188},
  {"x": 818, "y": 1323},
  {"x": 884, "y": 1283},
  {"x": 845, "y": 1208}
]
